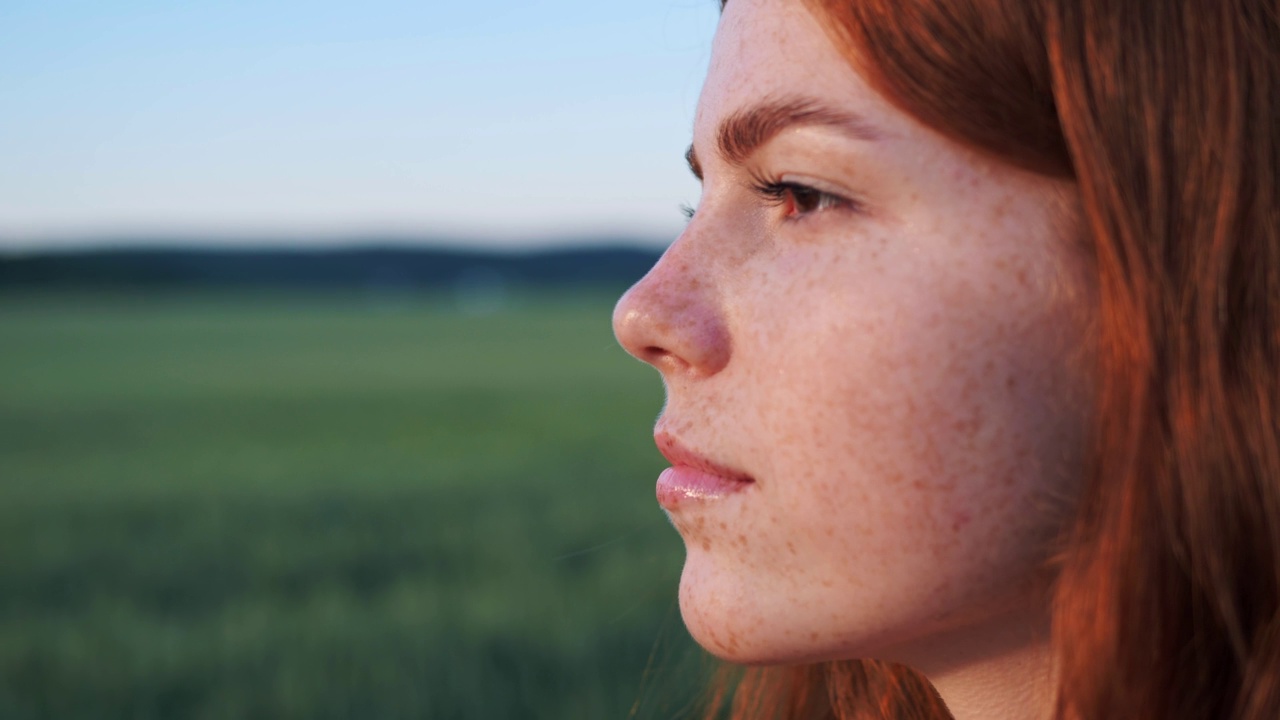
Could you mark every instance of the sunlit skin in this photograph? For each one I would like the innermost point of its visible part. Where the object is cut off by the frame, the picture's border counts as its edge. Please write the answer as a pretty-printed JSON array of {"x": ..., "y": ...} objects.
[{"x": 885, "y": 332}]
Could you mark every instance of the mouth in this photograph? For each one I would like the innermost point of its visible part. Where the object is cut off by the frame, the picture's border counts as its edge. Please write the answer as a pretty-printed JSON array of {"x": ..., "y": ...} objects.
[{"x": 693, "y": 478}]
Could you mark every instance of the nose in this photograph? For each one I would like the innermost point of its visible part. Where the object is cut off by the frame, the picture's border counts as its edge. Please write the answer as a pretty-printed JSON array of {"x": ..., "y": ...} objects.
[{"x": 674, "y": 319}]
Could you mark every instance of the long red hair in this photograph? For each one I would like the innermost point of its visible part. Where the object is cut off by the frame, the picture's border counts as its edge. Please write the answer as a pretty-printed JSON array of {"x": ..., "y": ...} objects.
[{"x": 1167, "y": 603}]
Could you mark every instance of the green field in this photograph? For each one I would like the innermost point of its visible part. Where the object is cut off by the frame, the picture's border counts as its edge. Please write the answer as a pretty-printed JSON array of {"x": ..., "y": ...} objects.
[{"x": 279, "y": 506}]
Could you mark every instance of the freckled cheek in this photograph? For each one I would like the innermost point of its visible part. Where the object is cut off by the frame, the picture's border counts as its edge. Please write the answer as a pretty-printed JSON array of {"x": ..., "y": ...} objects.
[
  {"x": 883, "y": 417},
  {"x": 876, "y": 463}
]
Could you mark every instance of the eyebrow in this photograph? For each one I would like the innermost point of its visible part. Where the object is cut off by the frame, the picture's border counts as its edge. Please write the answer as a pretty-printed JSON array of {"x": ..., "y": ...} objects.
[{"x": 743, "y": 132}]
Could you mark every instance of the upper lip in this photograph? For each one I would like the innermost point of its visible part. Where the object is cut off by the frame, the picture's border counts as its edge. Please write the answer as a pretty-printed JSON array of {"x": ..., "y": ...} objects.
[{"x": 678, "y": 454}]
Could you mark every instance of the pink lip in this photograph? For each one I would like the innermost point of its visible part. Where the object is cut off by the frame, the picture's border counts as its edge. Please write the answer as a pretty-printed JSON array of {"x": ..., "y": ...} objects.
[{"x": 693, "y": 478}]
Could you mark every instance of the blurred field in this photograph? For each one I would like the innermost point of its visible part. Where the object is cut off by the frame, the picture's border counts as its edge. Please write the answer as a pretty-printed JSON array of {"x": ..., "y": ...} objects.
[{"x": 329, "y": 507}]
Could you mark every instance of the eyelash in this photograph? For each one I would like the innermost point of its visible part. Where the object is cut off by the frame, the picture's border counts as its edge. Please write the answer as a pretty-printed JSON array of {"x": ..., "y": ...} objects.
[
  {"x": 787, "y": 193},
  {"x": 783, "y": 192}
]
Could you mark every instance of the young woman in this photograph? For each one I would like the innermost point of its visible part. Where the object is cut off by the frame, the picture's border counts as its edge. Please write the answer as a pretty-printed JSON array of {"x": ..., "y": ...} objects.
[{"x": 972, "y": 359}]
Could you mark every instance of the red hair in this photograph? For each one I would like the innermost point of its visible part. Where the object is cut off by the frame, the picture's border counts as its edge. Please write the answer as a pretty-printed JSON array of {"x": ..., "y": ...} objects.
[{"x": 1165, "y": 113}]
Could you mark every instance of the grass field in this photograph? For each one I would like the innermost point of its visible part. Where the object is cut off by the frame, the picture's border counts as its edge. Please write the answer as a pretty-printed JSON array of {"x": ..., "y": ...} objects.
[{"x": 330, "y": 507}]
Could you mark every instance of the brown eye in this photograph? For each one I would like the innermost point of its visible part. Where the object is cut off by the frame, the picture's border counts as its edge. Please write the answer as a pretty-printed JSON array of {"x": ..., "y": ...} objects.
[
  {"x": 798, "y": 201},
  {"x": 805, "y": 200}
]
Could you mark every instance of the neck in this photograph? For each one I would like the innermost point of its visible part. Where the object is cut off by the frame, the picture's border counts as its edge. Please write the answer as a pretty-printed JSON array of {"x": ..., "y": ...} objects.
[{"x": 1001, "y": 671}]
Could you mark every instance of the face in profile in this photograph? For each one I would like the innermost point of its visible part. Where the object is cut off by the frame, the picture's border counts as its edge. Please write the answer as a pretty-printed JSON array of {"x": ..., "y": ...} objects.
[{"x": 870, "y": 342}]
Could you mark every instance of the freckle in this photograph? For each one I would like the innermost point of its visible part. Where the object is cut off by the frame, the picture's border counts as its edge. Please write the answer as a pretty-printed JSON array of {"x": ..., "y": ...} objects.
[
  {"x": 826, "y": 583},
  {"x": 706, "y": 545},
  {"x": 731, "y": 644},
  {"x": 1000, "y": 210},
  {"x": 742, "y": 541},
  {"x": 791, "y": 547},
  {"x": 813, "y": 636},
  {"x": 714, "y": 637},
  {"x": 724, "y": 525}
]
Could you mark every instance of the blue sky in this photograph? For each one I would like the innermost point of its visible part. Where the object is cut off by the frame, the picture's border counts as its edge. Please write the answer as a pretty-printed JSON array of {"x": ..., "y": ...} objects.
[{"x": 504, "y": 121}]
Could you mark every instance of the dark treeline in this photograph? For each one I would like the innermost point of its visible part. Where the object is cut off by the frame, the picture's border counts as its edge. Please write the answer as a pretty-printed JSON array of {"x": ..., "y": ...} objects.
[{"x": 395, "y": 269}]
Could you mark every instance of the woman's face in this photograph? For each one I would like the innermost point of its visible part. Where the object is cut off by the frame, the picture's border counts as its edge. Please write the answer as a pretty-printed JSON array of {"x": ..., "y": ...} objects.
[{"x": 868, "y": 336}]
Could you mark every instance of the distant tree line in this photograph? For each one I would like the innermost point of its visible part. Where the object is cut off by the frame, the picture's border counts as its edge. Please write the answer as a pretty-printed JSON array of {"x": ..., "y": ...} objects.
[{"x": 389, "y": 269}]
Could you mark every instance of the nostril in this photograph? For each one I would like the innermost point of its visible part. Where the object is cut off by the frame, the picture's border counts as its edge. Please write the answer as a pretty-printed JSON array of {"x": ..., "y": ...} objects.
[{"x": 654, "y": 353}]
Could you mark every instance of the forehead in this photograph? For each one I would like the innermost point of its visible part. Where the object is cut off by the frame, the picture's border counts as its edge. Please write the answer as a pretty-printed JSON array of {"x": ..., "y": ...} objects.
[{"x": 769, "y": 49}]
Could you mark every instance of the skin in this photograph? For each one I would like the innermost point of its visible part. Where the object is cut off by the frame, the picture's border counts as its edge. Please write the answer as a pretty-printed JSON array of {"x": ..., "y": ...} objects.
[{"x": 896, "y": 367}]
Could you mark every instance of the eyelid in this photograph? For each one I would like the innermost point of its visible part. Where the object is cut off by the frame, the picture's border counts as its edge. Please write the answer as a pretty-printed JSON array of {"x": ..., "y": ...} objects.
[
  {"x": 773, "y": 189},
  {"x": 821, "y": 186}
]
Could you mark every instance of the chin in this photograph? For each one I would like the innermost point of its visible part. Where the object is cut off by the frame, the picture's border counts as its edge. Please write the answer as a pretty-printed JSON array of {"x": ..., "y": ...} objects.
[
  {"x": 741, "y": 625},
  {"x": 746, "y": 624},
  {"x": 717, "y": 614}
]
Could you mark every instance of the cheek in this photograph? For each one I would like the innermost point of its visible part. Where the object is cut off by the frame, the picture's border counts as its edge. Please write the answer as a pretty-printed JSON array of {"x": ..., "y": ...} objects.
[
  {"x": 940, "y": 423},
  {"x": 908, "y": 458}
]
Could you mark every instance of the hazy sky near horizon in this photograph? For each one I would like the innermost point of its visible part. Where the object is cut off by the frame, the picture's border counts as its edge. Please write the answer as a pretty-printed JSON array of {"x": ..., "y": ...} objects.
[{"x": 505, "y": 121}]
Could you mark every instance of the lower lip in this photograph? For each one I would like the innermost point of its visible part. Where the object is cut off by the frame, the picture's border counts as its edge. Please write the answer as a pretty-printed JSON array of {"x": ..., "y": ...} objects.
[{"x": 680, "y": 485}]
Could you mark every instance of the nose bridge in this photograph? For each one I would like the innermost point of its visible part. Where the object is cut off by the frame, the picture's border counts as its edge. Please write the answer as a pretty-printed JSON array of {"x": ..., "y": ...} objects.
[{"x": 673, "y": 318}]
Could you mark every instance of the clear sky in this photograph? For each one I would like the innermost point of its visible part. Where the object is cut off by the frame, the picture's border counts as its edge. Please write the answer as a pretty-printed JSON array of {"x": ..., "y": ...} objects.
[{"x": 503, "y": 120}]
